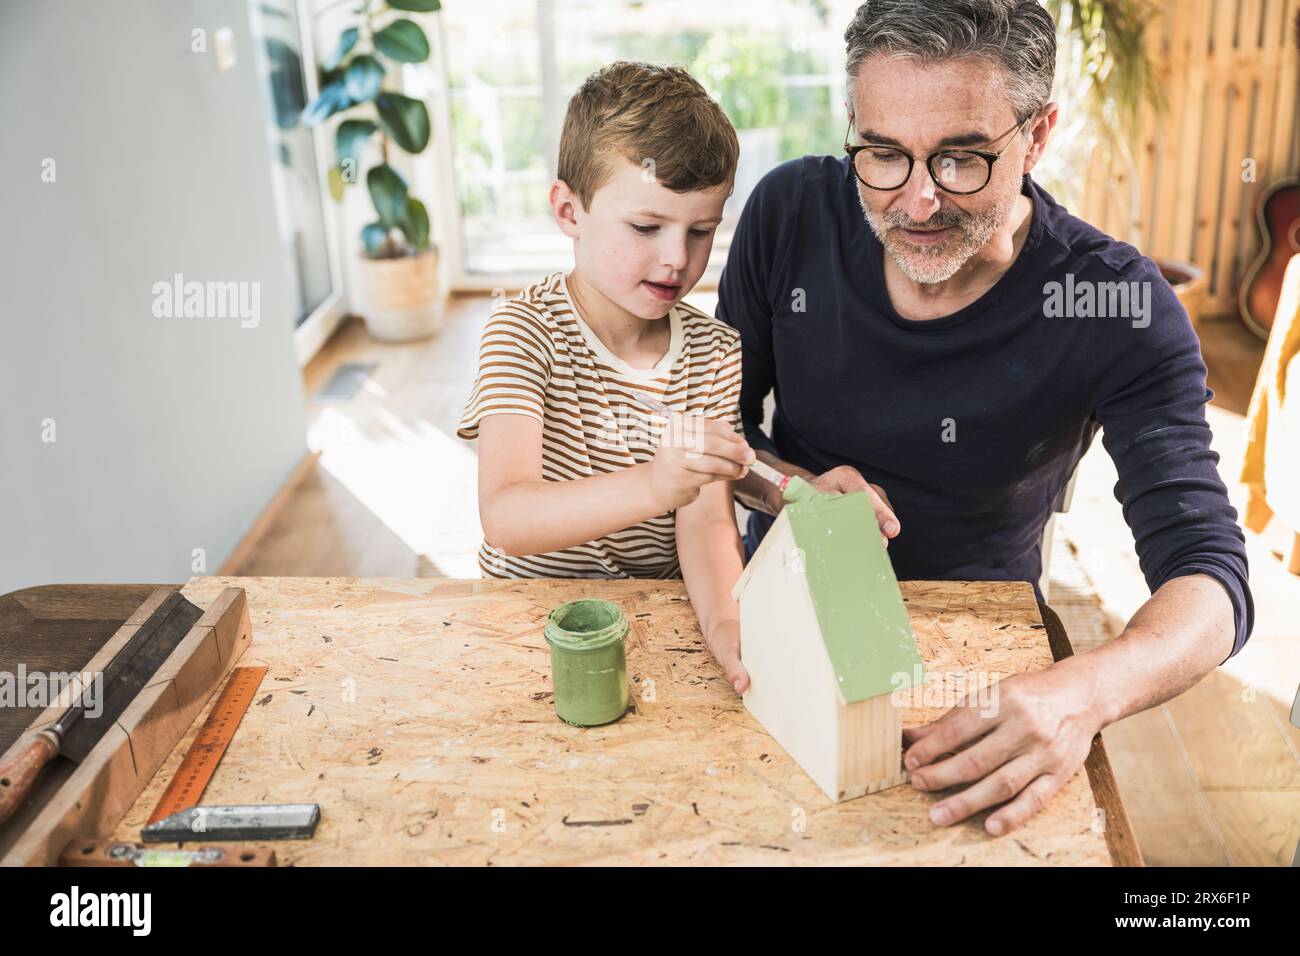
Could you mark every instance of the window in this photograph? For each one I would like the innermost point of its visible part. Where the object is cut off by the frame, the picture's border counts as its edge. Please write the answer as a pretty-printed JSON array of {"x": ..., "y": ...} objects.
[{"x": 776, "y": 67}]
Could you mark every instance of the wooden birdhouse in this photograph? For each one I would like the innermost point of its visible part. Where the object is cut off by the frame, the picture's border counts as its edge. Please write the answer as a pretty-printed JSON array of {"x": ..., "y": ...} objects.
[{"x": 826, "y": 639}]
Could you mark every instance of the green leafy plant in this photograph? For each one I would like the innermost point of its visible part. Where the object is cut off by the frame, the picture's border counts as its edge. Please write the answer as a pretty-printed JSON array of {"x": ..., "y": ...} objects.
[
  {"x": 352, "y": 82},
  {"x": 743, "y": 73},
  {"x": 1106, "y": 76},
  {"x": 1110, "y": 57}
]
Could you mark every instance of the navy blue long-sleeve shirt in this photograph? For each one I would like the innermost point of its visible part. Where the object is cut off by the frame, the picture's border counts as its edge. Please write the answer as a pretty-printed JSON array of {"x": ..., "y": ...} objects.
[{"x": 974, "y": 422}]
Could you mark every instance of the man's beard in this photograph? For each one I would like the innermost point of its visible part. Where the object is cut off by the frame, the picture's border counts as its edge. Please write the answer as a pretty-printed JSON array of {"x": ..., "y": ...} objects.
[{"x": 931, "y": 264}]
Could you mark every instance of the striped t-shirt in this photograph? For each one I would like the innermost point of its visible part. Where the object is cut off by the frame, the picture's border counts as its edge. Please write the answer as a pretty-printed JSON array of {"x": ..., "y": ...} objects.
[{"x": 540, "y": 359}]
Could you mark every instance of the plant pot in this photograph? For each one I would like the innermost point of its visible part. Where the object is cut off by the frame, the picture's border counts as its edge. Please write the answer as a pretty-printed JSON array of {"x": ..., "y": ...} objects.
[
  {"x": 1189, "y": 285},
  {"x": 401, "y": 299}
]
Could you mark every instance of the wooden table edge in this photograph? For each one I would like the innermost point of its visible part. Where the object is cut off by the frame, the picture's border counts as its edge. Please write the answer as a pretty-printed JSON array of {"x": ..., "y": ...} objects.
[{"x": 1120, "y": 840}]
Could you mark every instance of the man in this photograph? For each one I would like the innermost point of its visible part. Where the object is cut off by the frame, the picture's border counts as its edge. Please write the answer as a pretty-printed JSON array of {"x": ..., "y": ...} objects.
[{"x": 939, "y": 332}]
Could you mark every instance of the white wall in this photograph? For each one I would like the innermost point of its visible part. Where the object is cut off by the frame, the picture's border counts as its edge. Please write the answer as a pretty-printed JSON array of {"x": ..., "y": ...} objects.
[{"x": 171, "y": 433}]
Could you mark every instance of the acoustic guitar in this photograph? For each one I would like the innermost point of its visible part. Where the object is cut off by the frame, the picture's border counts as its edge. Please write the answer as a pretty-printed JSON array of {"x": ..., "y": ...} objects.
[{"x": 1278, "y": 217}]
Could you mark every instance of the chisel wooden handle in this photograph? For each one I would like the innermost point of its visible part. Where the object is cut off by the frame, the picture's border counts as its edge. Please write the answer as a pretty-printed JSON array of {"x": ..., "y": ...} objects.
[{"x": 18, "y": 773}]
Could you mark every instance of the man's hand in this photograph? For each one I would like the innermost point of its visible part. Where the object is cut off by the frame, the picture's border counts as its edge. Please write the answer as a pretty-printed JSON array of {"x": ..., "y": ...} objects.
[
  {"x": 840, "y": 481},
  {"x": 1038, "y": 735},
  {"x": 723, "y": 642}
]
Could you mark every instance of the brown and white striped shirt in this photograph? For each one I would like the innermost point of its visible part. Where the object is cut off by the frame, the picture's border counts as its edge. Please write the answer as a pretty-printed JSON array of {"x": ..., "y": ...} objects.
[{"x": 538, "y": 358}]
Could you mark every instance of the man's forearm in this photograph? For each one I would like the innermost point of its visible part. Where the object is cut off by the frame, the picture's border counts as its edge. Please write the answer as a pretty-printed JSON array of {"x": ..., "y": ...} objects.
[
  {"x": 1183, "y": 632},
  {"x": 759, "y": 494}
]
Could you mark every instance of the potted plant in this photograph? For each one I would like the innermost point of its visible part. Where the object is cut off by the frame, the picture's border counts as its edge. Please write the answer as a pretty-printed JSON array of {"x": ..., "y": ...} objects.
[
  {"x": 1107, "y": 77},
  {"x": 398, "y": 293}
]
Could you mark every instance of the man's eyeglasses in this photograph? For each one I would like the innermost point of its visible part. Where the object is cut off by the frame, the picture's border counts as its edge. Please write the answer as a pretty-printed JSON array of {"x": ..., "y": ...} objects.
[{"x": 959, "y": 171}]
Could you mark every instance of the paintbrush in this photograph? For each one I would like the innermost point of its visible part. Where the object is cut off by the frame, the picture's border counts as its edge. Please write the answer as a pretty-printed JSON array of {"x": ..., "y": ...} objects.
[{"x": 764, "y": 471}]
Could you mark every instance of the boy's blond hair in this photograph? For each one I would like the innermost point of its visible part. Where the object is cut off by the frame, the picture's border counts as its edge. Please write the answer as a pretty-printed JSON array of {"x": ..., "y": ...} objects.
[{"x": 644, "y": 112}]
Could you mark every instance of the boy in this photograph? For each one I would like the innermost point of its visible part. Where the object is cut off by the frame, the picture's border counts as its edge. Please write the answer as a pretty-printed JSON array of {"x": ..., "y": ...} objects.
[{"x": 572, "y": 481}]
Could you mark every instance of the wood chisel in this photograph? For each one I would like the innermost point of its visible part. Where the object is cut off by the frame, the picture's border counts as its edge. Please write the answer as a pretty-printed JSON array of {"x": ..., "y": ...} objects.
[{"x": 74, "y": 733}]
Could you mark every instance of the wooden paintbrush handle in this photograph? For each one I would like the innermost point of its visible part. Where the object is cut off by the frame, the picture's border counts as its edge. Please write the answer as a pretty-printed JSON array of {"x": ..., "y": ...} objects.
[{"x": 19, "y": 772}]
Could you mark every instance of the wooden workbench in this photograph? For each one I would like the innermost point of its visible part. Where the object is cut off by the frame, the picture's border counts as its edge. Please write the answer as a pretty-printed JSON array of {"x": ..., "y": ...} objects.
[{"x": 418, "y": 714}]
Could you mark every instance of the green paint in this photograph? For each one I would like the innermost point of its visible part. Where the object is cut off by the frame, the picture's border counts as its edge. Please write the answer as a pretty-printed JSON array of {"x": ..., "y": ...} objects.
[
  {"x": 588, "y": 667},
  {"x": 796, "y": 489},
  {"x": 860, "y": 610}
]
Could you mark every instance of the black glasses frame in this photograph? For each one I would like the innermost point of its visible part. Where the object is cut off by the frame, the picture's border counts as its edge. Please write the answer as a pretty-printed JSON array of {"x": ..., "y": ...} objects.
[{"x": 989, "y": 158}]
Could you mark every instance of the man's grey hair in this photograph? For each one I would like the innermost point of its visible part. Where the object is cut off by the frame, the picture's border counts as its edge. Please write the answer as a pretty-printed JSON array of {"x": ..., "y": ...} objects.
[{"x": 1017, "y": 35}]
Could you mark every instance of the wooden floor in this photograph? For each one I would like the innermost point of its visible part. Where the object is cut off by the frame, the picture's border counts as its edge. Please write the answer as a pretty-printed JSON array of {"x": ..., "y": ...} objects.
[
  {"x": 1210, "y": 778},
  {"x": 393, "y": 492}
]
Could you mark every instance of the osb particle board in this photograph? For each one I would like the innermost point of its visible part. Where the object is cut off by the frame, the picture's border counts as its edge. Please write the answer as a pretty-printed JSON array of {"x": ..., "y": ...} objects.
[{"x": 418, "y": 714}]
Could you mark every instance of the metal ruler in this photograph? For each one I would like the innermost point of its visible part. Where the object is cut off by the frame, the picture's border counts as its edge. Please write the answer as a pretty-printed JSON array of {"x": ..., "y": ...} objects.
[{"x": 186, "y": 788}]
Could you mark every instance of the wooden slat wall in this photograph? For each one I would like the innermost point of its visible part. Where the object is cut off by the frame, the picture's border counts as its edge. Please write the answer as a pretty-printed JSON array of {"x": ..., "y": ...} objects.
[{"x": 1229, "y": 72}]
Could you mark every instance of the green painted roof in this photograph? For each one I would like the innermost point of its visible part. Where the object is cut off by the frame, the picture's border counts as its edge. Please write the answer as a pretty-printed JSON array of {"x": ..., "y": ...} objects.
[{"x": 863, "y": 620}]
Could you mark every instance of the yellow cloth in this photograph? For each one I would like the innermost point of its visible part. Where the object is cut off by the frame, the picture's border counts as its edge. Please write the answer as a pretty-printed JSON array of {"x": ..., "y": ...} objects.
[{"x": 1271, "y": 470}]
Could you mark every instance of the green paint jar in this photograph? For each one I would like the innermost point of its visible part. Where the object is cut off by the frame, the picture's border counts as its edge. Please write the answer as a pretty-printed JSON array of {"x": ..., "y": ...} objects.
[{"x": 588, "y": 667}]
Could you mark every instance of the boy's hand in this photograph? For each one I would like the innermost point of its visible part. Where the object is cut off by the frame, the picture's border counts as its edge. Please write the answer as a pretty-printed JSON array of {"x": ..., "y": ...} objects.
[
  {"x": 693, "y": 452},
  {"x": 723, "y": 641}
]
